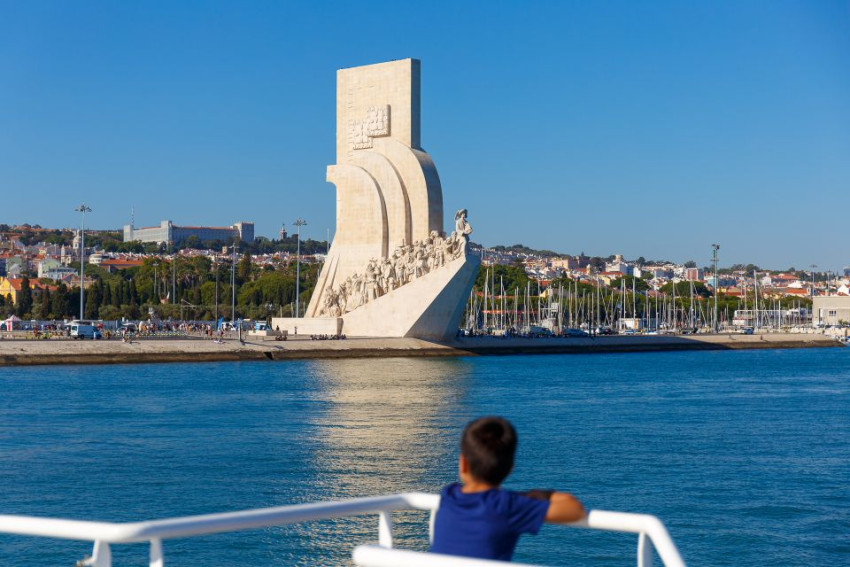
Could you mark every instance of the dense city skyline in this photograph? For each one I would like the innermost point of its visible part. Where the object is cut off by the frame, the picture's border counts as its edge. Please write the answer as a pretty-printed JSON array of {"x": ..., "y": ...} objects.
[{"x": 644, "y": 130}]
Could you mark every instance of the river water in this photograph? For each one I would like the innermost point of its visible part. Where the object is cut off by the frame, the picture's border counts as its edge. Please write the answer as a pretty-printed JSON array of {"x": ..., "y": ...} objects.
[{"x": 744, "y": 455}]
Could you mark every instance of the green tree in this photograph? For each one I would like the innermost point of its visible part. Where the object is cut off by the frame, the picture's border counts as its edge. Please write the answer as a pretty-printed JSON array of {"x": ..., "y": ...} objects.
[
  {"x": 277, "y": 288},
  {"x": 134, "y": 294},
  {"x": 44, "y": 304},
  {"x": 93, "y": 298},
  {"x": 60, "y": 302},
  {"x": 207, "y": 291},
  {"x": 572, "y": 286},
  {"x": 131, "y": 311},
  {"x": 134, "y": 247},
  {"x": 510, "y": 277},
  {"x": 24, "y": 304},
  {"x": 109, "y": 313},
  {"x": 683, "y": 289},
  {"x": 243, "y": 269},
  {"x": 639, "y": 283},
  {"x": 108, "y": 294},
  {"x": 118, "y": 294}
]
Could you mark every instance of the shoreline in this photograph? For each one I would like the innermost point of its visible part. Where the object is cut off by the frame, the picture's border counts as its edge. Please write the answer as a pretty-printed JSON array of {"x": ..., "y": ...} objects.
[{"x": 22, "y": 352}]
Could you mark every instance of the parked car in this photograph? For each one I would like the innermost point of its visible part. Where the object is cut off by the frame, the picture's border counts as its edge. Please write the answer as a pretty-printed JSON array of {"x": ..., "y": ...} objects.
[{"x": 84, "y": 330}]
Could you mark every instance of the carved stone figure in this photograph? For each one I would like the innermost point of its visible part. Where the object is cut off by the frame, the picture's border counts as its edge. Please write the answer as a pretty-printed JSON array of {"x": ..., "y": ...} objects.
[
  {"x": 388, "y": 275},
  {"x": 370, "y": 291},
  {"x": 342, "y": 296},
  {"x": 355, "y": 299},
  {"x": 332, "y": 304},
  {"x": 439, "y": 255},
  {"x": 401, "y": 269},
  {"x": 420, "y": 263},
  {"x": 407, "y": 262},
  {"x": 462, "y": 227}
]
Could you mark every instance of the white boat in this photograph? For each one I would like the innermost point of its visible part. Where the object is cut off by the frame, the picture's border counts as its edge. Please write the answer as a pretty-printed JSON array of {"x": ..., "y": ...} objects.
[{"x": 650, "y": 531}]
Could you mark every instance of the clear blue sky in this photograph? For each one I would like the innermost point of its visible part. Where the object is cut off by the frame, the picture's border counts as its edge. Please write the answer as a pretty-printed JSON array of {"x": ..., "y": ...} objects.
[{"x": 641, "y": 128}]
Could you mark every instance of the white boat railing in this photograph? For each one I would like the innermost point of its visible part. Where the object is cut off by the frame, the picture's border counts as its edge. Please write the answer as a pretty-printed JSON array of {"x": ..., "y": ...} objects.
[
  {"x": 651, "y": 532},
  {"x": 377, "y": 556}
]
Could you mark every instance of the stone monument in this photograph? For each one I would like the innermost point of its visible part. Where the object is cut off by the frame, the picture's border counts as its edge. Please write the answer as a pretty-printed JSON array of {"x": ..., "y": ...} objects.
[{"x": 392, "y": 271}]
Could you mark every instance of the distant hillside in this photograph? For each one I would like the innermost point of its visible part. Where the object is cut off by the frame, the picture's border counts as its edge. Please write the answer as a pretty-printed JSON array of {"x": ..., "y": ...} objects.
[{"x": 519, "y": 249}]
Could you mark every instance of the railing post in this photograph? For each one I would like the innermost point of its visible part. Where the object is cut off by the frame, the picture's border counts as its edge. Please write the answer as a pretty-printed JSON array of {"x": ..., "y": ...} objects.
[
  {"x": 385, "y": 529},
  {"x": 156, "y": 553},
  {"x": 644, "y": 551},
  {"x": 102, "y": 555}
]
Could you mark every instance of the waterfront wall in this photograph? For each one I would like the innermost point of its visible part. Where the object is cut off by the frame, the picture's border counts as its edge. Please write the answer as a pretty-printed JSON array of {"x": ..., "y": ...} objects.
[{"x": 46, "y": 352}]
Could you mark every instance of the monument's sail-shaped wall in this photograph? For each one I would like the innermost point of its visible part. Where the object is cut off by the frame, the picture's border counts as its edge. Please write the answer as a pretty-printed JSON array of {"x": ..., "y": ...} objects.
[
  {"x": 391, "y": 270},
  {"x": 388, "y": 189}
]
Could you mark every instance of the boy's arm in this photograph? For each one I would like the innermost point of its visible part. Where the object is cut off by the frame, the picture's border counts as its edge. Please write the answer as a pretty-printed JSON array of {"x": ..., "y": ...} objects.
[{"x": 563, "y": 507}]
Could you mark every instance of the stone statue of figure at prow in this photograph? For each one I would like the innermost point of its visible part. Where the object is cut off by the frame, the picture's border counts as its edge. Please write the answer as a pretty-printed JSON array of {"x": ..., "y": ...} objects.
[
  {"x": 391, "y": 271},
  {"x": 462, "y": 227}
]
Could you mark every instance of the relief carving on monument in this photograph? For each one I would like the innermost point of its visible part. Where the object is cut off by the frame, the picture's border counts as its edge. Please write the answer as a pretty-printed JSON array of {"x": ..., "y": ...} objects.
[
  {"x": 408, "y": 262},
  {"x": 358, "y": 137},
  {"x": 375, "y": 125}
]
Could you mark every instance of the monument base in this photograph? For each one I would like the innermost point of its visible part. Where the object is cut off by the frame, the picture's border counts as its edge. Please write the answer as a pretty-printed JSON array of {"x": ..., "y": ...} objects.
[{"x": 308, "y": 325}]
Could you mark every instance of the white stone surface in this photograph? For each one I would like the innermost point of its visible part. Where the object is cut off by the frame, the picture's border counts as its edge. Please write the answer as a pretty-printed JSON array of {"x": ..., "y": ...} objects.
[
  {"x": 391, "y": 270},
  {"x": 382, "y": 275},
  {"x": 428, "y": 308},
  {"x": 388, "y": 190},
  {"x": 308, "y": 325}
]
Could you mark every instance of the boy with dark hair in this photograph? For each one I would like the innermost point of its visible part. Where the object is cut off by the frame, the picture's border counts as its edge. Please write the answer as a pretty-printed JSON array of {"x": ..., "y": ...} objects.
[{"x": 476, "y": 518}]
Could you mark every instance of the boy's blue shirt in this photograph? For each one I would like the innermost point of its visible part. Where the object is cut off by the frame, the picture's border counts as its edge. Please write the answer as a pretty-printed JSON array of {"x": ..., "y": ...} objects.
[{"x": 485, "y": 524}]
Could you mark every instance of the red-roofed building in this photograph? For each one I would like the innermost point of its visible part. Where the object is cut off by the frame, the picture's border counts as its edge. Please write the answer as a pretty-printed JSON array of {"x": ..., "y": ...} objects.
[
  {"x": 733, "y": 292},
  {"x": 13, "y": 286},
  {"x": 787, "y": 292}
]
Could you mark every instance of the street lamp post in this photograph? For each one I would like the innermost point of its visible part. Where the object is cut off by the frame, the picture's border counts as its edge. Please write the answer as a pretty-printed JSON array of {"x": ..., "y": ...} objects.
[
  {"x": 299, "y": 223},
  {"x": 233, "y": 285},
  {"x": 173, "y": 276},
  {"x": 155, "y": 286},
  {"x": 215, "y": 268},
  {"x": 813, "y": 266},
  {"x": 715, "y": 247},
  {"x": 82, "y": 209}
]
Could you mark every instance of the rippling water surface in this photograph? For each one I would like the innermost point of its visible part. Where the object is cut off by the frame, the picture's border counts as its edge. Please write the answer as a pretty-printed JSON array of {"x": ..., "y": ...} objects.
[{"x": 744, "y": 455}]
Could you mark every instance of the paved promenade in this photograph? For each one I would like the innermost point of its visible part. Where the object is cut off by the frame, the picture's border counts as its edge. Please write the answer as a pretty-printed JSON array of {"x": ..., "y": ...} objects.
[{"x": 21, "y": 352}]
